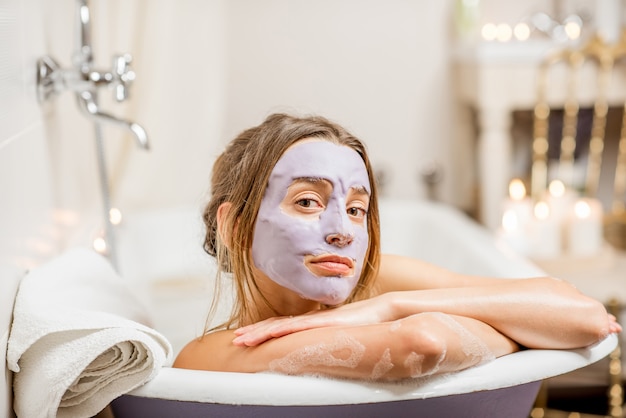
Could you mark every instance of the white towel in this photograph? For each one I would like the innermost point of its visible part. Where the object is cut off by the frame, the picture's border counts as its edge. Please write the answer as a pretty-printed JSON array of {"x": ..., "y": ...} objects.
[{"x": 77, "y": 340}]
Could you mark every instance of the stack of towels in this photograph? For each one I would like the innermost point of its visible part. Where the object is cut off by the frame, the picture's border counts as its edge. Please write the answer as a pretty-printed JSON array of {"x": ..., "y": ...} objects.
[{"x": 79, "y": 339}]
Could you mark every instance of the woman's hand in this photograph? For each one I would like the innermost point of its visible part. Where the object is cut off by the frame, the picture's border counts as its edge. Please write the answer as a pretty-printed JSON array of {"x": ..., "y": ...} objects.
[
  {"x": 614, "y": 326},
  {"x": 523, "y": 322},
  {"x": 370, "y": 311}
]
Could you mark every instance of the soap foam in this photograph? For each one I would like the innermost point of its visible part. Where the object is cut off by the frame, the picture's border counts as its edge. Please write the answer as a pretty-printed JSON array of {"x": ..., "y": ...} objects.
[
  {"x": 413, "y": 363},
  {"x": 471, "y": 345},
  {"x": 343, "y": 351},
  {"x": 383, "y": 366}
]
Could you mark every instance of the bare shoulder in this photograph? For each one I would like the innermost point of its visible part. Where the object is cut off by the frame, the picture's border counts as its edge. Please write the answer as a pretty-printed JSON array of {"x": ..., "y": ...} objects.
[
  {"x": 206, "y": 352},
  {"x": 399, "y": 273}
]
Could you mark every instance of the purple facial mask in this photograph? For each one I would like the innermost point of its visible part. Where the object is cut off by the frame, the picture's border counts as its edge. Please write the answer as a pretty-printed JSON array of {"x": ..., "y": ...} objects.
[{"x": 288, "y": 248}]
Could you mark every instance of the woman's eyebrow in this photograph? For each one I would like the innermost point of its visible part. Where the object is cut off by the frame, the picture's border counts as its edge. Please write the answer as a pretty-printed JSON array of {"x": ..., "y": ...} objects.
[
  {"x": 311, "y": 180},
  {"x": 362, "y": 190}
]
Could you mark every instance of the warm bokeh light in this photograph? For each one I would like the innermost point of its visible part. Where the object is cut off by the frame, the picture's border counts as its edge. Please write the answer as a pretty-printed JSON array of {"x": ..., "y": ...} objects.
[
  {"x": 517, "y": 190},
  {"x": 582, "y": 209},
  {"x": 556, "y": 188},
  {"x": 572, "y": 30},
  {"x": 504, "y": 32},
  {"x": 100, "y": 245},
  {"x": 542, "y": 210},
  {"x": 521, "y": 31},
  {"x": 509, "y": 221},
  {"x": 115, "y": 216},
  {"x": 489, "y": 32}
]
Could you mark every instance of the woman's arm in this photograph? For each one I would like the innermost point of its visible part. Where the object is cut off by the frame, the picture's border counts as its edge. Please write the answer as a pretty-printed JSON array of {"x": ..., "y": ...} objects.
[
  {"x": 418, "y": 345},
  {"x": 537, "y": 312},
  {"x": 540, "y": 312}
]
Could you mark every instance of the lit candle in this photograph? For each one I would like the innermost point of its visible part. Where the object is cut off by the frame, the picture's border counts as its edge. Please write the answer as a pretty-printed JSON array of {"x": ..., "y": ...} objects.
[
  {"x": 561, "y": 201},
  {"x": 584, "y": 230},
  {"x": 512, "y": 233},
  {"x": 546, "y": 237},
  {"x": 519, "y": 203}
]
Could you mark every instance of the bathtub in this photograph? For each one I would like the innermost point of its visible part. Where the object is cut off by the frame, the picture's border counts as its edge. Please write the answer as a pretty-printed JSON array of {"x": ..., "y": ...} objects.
[{"x": 160, "y": 253}]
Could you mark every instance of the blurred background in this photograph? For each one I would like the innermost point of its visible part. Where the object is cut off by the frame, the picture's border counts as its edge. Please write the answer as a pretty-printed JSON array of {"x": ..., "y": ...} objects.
[
  {"x": 413, "y": 79},
  {"x": 205, "y": 70},
  {"x": 443, "y": 93}
]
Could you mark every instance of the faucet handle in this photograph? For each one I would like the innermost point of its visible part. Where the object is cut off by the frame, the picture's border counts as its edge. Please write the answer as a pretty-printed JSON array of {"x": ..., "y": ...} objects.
[{"x": 122, "y": 76}]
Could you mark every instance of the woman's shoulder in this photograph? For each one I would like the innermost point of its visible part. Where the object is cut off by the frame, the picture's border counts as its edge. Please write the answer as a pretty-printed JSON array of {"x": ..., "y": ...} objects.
[{"x": 205, "y": 352}]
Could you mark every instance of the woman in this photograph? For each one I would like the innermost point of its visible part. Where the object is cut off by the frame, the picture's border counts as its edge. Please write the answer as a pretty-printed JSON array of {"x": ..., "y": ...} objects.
[{"x": 294, "y": 218}]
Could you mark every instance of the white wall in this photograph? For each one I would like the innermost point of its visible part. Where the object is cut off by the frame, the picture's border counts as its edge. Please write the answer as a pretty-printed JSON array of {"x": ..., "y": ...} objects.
[
  {"x": 38, "y": 164},
  {"x": 208, "y": 70},
  {"x": 379, "y": 68},
  {"x": 205, "y": 71}
]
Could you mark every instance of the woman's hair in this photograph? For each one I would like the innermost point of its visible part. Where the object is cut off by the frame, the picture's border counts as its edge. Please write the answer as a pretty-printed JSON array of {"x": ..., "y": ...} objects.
[{"x": 240, "y": 177}]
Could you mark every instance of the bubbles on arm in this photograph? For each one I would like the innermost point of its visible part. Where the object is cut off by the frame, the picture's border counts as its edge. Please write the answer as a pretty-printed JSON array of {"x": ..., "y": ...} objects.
[
  {"x": 342, "y": 351},
  {"x": 383, "y": 366},
  {"x": 471, "y": 345}
]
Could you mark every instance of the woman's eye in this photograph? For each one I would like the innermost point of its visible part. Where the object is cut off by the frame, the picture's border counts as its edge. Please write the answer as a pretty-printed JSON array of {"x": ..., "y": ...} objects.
[
  {"x": 357, "y": 212},
  {"x": 307, "y": 203}
]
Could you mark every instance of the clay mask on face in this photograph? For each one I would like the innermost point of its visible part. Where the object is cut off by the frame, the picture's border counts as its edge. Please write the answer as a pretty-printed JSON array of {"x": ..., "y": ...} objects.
[{"x": 311, "y": 235}]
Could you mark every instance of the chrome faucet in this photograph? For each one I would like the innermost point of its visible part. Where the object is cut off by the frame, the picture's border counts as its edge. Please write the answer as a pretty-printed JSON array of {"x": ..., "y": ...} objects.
[{"x": 84, "y": 80}]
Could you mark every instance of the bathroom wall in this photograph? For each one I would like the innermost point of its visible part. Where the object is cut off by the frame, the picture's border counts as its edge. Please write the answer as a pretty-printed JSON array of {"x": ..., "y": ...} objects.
[
  {"x": 208, "y": 70},
  {"x": 45, "y": 178},
  {"x": 205, "y": 71},
  {"x": 380, "y": 68}
]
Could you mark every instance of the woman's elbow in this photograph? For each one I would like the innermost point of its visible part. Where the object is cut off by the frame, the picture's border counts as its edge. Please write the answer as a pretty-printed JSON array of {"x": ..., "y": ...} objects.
[
  {"x": 596, "y": 325},
  {"x": 588, "y": 318},
  {"x": 424, "y": 349}
]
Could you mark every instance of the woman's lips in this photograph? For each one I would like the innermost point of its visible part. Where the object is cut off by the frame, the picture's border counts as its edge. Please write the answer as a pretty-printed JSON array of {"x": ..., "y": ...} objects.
[{"x": 329, "y": 265}]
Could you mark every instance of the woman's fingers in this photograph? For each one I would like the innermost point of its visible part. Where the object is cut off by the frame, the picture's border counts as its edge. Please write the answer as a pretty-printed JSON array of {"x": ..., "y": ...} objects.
[
  {"x": 357, "y": 313},
  {"x": 255, "y": 334},
  {"x": 614, "y": 326},
  {"x": 260, "y": 332}
]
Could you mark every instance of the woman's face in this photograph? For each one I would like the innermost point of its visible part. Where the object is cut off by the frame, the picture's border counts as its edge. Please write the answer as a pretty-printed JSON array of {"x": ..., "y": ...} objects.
[{"x": 311, "y": 231}]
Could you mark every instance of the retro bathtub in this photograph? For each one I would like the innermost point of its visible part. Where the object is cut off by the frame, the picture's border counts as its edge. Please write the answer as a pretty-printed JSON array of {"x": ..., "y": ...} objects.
[{"x": 160, "y": 254}]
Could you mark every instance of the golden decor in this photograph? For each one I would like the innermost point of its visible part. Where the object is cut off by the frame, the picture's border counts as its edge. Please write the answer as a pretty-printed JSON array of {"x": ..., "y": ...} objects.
[{"x": 604, "y": 56}]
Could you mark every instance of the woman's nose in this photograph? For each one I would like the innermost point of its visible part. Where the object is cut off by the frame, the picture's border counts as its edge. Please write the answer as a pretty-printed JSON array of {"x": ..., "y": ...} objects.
[
  {"x": 337, "y": 226},
  {"x": 339, "y": 240}
]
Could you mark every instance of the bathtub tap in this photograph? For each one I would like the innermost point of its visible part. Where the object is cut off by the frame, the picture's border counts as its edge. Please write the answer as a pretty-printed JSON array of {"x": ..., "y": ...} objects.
[{"x": 84, "y": 80}]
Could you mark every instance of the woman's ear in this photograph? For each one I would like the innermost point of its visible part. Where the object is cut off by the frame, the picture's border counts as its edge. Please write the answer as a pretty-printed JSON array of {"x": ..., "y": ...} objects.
[{"x": 222, "y": 230}]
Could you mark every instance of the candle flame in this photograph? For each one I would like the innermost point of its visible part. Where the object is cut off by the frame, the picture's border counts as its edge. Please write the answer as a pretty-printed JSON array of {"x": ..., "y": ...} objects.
[
  {"x": 582, "y": 209},
  {"x": 556, "y": 188},
  {"x": 115, "y": 216},
  {"x": 542, "y": 210},
  {"x": 509, "y": 220},
  {"x": 517, "y": 190},
  {"x": 100, "y": 245}
]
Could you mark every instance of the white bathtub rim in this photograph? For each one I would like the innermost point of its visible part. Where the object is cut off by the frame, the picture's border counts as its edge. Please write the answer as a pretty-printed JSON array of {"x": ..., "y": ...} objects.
[{"x": 279, "y": 390}]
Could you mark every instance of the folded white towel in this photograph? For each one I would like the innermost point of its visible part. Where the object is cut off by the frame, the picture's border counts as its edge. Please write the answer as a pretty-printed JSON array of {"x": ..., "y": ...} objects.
[{"x": 77, "y": 340}]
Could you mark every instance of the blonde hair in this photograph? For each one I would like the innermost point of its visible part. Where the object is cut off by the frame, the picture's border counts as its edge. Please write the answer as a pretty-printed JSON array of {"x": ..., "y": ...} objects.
[{"x": 240, "y": 176}]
